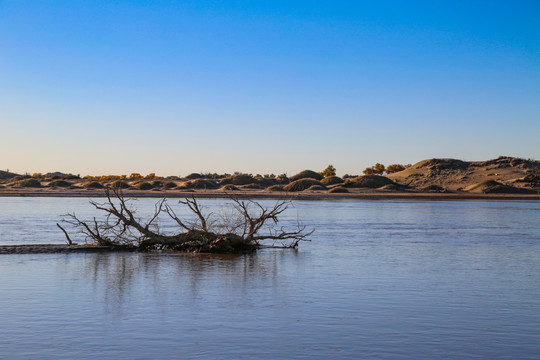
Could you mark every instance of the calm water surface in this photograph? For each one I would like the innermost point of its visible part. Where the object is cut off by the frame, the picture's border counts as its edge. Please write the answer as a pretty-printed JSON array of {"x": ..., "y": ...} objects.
[{"x": 380, "y": 280}]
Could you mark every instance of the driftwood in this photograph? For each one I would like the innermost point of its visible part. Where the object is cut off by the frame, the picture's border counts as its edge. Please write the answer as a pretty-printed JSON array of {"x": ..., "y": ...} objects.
[
  {"x": 246, "y": 227},
  {"x": 68, "y": 239}
]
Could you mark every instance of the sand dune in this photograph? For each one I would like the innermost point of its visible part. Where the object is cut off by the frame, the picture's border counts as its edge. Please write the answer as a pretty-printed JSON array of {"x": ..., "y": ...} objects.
[
  {"x": 433, "y": 177},
  {"x": 456, "y": 175}
]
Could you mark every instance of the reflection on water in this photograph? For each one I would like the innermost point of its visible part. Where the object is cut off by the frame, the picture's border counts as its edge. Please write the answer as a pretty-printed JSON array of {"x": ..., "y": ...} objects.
[
  {"x": 115, "y": 277},
  {"x": 392, "y": 280}
]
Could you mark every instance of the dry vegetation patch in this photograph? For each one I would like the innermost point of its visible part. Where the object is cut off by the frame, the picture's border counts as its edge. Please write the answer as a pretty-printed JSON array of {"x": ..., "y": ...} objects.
[
  {"x": 59, "y": 183},
  {"x": 368, "y": 181},
  {"x": 193, "y": 176},
  {"x": 332, "y": 180},
  {"x": 170, "y": 185},
  {"x": 93, "y": 185},
  {"x": 266, "y": 182},
  {"x": 301, "y": 185},
  {"x": 239, "y": 179},
  {"x": 144, "y": 185},
  {"x": 28, "y": 183},
  {"x": 119, "y": 185},
  {"x": 201, "y": 184},
  {"x": 307, "y": 174},
  {"x": 4, "y": 175}
]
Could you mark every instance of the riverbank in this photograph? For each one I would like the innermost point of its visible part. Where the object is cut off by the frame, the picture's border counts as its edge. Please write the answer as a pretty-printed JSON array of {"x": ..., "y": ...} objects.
[
  {"x": 501, "y": 178},
  {"x": 359, "y": 194}
]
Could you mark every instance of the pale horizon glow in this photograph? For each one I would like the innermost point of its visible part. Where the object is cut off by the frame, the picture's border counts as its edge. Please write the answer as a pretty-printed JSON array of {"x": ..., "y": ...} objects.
[{"x": 264, "y": 87}]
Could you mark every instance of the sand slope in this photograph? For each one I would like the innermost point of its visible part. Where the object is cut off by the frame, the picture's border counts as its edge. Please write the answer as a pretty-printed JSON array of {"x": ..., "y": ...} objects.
[{"x": 456, "y": 175}]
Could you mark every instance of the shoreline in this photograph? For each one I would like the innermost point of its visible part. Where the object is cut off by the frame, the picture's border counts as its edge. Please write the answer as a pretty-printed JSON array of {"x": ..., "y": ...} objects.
[
  {"x": 254, "y": 194},
  {"x": 55, "y": 249}
]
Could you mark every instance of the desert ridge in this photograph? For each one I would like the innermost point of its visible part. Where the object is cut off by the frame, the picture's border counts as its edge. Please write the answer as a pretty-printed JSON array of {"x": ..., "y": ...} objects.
[{"x": 504, "y": 177}]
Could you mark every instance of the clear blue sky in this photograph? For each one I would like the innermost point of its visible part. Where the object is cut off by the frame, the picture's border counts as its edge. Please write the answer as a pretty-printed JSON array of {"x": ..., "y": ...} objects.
[{"x": 173, "y": 87}]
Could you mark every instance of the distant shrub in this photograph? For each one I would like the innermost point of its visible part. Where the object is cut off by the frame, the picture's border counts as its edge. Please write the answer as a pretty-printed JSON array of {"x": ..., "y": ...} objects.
[
  {"x": 307, "y": 174},
  {"x": 5, "y": 175},
  {"x": 59, "y": 183},
  {"x": 135, "y": 176},
  {"x": 338, "y": 189},
  {"x": 332, "y": 180},
  {"x": 71, "y": 177},
  {"x": 394, "y": 168},
  {"x": 201, "y": 184},
  {"x": 265, "y": 182},
  {"x": 144, "y": 185},
  {"x": 228, "y": 187},
  {"x": 240, "y": 179},
  {"x": 379, "y": 168},
  {"x": 170, "y": 185},
  {"x": 120, "y": 184},
  {"x": 301, "y": 185},
  {"x": 105, "y": 177},
  {"x": 283, "y": 179},
  {"x": 157, "y": 184},
  {"x": 368, "y": 171},
  {"x": 93, "y": 185},
  {"x": 21, "y": 177},
  {"x": 193, "y": 176},
  {"x": 209, "y": 175},
  {"x": 368, "y": 181},
  {"x": 28, "y": 183},
  {"x": 329, "y": 171}
]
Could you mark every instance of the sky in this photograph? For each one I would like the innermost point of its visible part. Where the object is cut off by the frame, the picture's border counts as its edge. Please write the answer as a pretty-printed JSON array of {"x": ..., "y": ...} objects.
[{"x": 174, "y": 87}]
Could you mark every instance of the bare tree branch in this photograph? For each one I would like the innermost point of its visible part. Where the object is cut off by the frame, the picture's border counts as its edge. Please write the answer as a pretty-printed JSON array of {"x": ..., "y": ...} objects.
[
  {"x": 244, "y": 228},
  {"x": 65, "y": 233}
]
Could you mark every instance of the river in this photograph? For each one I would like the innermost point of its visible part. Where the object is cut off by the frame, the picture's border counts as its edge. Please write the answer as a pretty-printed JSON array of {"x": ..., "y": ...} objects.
[{"x": 379, "y": 280}]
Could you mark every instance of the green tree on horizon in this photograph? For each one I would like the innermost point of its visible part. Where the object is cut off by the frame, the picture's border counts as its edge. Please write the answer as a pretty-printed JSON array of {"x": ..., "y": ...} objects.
[{"x": 329, "y": 171}]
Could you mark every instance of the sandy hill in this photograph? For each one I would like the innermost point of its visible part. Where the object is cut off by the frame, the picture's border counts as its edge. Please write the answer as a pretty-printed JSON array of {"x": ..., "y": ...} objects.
[
  {"x": 452, "y": 174},
  {"x": 6, "y": 175}
]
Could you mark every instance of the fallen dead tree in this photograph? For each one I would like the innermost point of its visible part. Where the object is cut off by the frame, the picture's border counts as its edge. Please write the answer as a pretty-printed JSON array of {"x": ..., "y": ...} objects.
[{"x": 245, "y": 227}]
